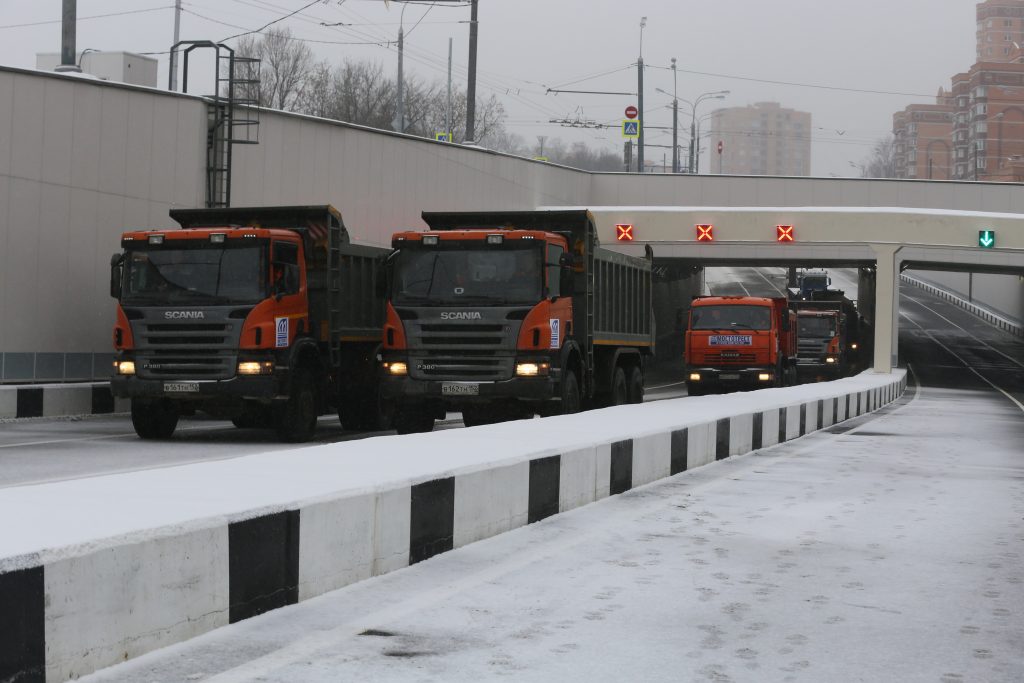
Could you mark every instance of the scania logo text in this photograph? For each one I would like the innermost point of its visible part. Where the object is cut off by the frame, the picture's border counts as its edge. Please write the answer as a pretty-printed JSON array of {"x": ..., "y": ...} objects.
[
  {"x": 461, "y": 315},
  {"x": 184, "y": 315}
]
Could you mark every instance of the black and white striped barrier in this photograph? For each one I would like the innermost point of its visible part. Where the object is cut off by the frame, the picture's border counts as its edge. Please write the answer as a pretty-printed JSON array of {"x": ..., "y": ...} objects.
[
  {"x": 983, "y": 313},
  {"x": 59, "y": 400},
  {"x": 68, "y": 610}
]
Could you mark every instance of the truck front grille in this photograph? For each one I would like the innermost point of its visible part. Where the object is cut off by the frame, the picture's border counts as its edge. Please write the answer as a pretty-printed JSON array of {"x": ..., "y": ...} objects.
[
  {"x": 726, "y": 358},
  {"x": 186, "y": 349},
  {"x": 461, "y": 351}
]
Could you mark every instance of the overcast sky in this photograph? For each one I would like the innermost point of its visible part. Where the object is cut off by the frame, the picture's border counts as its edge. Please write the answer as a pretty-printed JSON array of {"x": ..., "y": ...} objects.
[{"x": 527, "y": 46}]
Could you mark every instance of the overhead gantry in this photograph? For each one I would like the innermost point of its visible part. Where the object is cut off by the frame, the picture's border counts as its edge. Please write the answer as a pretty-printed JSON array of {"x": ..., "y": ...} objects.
[{"x": 883, "y": 241}]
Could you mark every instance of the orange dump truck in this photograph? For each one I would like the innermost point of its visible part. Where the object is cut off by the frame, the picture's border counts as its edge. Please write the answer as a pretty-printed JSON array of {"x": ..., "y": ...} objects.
[
  {"x": 267, "y": 316},
  {"x": 735, "y": 342},
  {"x": 501, "y": 315}
]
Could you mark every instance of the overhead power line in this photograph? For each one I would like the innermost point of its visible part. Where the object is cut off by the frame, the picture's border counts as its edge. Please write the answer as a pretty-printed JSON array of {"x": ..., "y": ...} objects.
[{"x": 95, "y": 16}]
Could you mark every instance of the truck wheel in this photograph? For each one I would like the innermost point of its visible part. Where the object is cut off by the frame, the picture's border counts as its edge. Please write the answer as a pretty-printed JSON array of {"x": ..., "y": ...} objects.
[
  {"x": 474, "y": 416},
  {"x": 635, "y": 386},
  {"x": 296, "y": 418},
  {"x": 154, "y": 419},
  {"x": 413, "y": 421},
  {"x": 694, "y": 389},
  {"x": 570, "y": 393},
  {"x": 620, "y": 392}
]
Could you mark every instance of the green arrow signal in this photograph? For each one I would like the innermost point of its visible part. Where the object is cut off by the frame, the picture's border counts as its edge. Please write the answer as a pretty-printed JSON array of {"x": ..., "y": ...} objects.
[{"x": 987, "y": 238}]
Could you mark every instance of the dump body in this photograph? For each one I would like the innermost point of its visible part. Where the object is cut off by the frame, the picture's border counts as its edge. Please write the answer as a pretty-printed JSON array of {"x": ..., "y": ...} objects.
[
  {"x": 230, "y": 313},
  {"x": 737, "y": 342},
  {"x": 490, "y": 312}
]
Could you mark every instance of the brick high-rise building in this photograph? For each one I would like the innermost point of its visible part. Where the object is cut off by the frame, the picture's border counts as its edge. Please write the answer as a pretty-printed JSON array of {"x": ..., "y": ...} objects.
[
  {"x": 1000, "y": 25},
  {"x": 761, "y": 139},
  {"x": 923, "y": 138},
  {"x": 980, "y": 121}
]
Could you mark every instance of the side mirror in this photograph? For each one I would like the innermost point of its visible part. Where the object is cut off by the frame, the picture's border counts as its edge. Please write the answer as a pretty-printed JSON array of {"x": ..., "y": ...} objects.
[
  {"x": 565, "y": 281},
  {"x": 116, "y": 262},
  {"x": 382, "y": 281}
]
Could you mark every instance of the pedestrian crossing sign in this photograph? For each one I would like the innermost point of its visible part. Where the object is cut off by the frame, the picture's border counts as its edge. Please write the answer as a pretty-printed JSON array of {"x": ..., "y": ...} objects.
[{"x": 630, "y": 128}]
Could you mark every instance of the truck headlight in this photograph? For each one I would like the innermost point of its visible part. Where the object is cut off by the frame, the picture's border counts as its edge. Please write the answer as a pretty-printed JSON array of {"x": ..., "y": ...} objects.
[
  {"x": 853, "y": 346},
  {"x": 397, "y": 368},
  {"x": 830, "y": 359},
  {"x": 764, "y": 376},
  {"x": 694, "y": 376},
  {"x": 256, "y": 367},
  {"x": 532, "y": 369},
  {"x": 125, "y": 367}
]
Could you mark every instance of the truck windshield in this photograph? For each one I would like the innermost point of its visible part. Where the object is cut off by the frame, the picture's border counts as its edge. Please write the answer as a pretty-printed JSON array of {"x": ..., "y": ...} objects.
[
  {"x": 814, "y": 326},
  {"x": 185, "y": 272},
  {"x": 731, "y": 317},
  {"x": 457, "y": 272}
]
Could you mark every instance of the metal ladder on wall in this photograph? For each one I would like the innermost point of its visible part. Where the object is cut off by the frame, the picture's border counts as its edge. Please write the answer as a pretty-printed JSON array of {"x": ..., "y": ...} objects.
[
  {"x": 232, "y": 113},
  {"x": 588, "y": 247}
]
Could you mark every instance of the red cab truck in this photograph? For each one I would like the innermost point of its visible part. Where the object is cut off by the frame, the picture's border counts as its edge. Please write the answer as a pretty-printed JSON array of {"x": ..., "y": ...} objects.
[
  {"x": 500, "y": 315},
  {"x": 735, "y": 342},
  {"x": 268, "y": 316}
]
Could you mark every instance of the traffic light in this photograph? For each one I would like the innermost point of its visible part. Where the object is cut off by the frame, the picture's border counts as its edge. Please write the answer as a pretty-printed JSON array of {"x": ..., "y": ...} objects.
[
  {"x": 986, "y": 239},
  {"x": 624, "y": 232},
  {"x": 705, "y": 233},
  {"x": 784, "y": 233}
]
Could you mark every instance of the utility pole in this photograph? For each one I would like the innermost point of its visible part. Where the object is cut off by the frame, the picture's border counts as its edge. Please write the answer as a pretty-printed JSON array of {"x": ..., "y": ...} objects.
[
  {"x": 541, "y": 139},
  {"x": 448, "y": 112},
  {"x": 68, "y": 51},
  {"x": 640, "y": 99},
  {"x": 399, "y": 123},
  {"x": 675, "y": 121},
  {"x": 693, "y": 140},
  {"x": 471, "y": 86},
  {"x": 177, "y": 38}
]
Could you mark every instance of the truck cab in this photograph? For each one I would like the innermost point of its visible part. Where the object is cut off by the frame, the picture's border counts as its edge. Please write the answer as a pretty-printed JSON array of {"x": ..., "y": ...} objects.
[{"x": 735, "y": 342}]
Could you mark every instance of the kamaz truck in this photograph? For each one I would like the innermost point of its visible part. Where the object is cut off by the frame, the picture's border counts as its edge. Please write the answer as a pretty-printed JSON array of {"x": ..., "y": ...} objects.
[
  {"x": 267, "y": 316},
  {"x": 739, "y": 342},
  {"x": 503, "y": 315}
]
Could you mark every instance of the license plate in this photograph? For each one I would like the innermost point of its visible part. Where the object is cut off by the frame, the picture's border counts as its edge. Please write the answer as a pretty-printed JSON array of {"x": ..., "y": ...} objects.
[
  {"x": 181, "y": 387},
  {"x": 731, "y": 340},
  {"x": 730, "y": 376},
  {"x": 459, "y": 389}
]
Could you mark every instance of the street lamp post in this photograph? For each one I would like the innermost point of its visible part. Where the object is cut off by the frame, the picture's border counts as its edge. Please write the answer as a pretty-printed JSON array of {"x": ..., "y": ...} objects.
[
  {"x": 675, "y": 120},
  {"x": 717, "y": 95},
  {"x": 640, "y": 99}
]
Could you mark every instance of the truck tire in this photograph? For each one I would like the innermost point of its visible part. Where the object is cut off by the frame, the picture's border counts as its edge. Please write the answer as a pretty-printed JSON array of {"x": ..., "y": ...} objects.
[
  {"x": 635, "y": 385},
  {"x": 295, "y": 419},
  {"x": 413, "y": 421},
  {"x": 694, "y": 389},
  {"x": 570, "y": 393},
  {"x": 154, "y": 419},
  {"x": 620, "y": 392}
]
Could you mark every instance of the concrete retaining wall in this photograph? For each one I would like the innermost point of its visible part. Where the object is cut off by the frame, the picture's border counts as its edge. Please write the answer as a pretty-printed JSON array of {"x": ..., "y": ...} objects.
[
  {"x": 986, "y": 314},
  {"x": 67, "y": 612},
  {"x": 57, "y": 400}
]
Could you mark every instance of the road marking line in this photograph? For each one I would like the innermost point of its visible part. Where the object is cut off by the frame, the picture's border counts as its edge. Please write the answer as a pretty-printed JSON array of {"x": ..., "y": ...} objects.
[
  {"x": 966, "y": 365},
  {"x": 1010, "y": 358},
  {"x": 774, "y": 286},
  {"x": 664, "y": 386}
]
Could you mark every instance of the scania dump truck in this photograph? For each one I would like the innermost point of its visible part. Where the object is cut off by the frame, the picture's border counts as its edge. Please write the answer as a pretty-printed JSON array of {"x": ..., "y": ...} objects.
[
  {"x": 736, "y": 342},
  {"x": 501, "y": 315},
  {"x": 268, "y": 316}
]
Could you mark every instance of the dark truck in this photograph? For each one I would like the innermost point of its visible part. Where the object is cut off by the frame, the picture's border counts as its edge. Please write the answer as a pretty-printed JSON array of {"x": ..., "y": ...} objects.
[
  {"x": 268, "y": 316},
  {"x": 502, "y": 315}
]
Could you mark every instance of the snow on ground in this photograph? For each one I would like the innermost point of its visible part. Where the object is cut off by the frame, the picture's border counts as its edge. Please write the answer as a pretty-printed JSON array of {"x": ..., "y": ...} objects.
[
  {"x": 82, "y": 512},
  {"x": 884, "y": 549}
]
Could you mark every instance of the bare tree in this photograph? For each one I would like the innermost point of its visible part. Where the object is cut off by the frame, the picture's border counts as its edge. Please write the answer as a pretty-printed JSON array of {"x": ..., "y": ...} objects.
[
  {"x": 882, "y": 161},
  {"x": 285, "y": 64}
]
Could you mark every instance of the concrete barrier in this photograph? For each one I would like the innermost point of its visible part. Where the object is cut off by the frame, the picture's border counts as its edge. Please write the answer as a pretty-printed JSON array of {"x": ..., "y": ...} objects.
[
  {"x": 59, "y": 400},
  {"x": 989, "y": 316},
  {"x": 85, "y": 589}
]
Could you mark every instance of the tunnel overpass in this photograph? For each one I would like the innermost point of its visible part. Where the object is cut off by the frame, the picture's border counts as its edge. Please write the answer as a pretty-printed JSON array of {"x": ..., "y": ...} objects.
[{"x": 884, "y": 240}]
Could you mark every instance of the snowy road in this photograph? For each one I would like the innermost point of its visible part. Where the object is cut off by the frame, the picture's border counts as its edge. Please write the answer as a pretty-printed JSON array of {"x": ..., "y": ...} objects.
[{"x": 885, "y": 549}]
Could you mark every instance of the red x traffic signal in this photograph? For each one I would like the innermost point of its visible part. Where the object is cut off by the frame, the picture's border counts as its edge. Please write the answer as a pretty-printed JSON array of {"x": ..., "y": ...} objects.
[
  {"x": 784, "y": 233},
  {"x": 705, "y": 233},
  {"x": 624, "y": 232}
]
